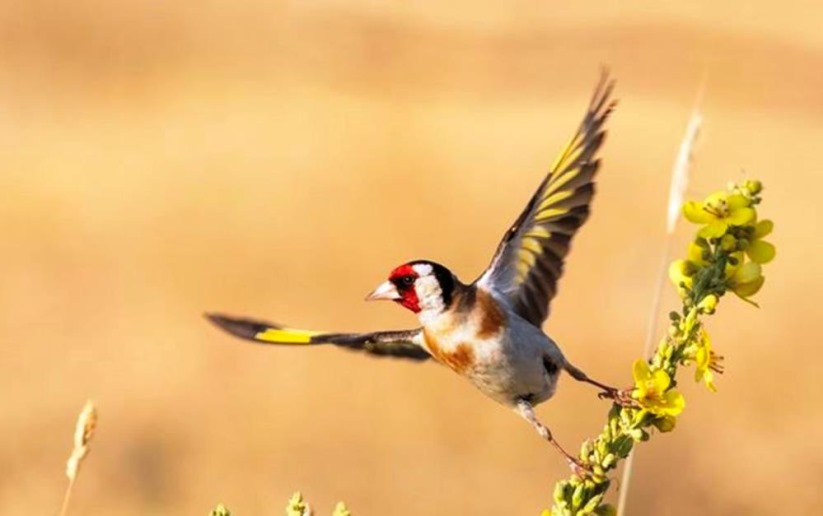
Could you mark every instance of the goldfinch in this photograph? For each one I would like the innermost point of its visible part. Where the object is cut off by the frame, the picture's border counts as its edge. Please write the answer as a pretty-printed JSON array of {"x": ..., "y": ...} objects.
[{"x": 489, "y": 331}]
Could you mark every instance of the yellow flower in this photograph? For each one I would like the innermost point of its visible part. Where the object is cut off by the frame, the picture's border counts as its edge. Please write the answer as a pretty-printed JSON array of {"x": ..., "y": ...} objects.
[
  {"x": 758, "y": 249},
  {"x": 707, "y": 362},
  {"x": 651, "y": 391},
  {"x": 746, "y": 279},
  {"x": 719, "y": 211}
]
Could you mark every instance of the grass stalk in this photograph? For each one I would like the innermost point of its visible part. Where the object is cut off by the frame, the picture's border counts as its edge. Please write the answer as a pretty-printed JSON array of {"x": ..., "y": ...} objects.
[
  {"x": 83, "y": 432},
  {"x": 677, "y": 192}
]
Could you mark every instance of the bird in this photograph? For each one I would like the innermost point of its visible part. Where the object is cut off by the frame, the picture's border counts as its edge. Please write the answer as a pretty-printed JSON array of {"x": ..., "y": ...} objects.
[{"x": 489, "y": 330}]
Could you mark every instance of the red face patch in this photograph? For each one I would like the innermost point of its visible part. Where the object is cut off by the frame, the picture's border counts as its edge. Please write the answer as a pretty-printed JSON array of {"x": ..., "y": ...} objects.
[
  {"x": 404, "y": 270},
  {"x": 403, "y": 278}
]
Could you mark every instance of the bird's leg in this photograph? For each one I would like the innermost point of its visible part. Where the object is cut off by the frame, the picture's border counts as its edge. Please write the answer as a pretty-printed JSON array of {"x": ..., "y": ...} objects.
[
  {"x": 526, "y": 411},
  {"x": 622, "y": 397}
]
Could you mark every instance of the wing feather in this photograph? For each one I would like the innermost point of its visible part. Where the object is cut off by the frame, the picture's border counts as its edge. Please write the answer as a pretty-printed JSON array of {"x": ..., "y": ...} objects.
[
  {"x": 529, "y": 260},
  {"x": 401, "y": 344}
]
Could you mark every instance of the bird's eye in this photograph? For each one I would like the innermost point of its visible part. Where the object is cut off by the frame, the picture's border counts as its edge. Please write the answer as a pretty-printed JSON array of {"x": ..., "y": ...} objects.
[{"x": 407, "y": 280}]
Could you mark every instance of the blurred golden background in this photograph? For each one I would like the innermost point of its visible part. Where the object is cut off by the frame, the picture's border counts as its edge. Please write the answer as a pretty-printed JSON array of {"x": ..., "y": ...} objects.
[{"x": 273, "y": 159}]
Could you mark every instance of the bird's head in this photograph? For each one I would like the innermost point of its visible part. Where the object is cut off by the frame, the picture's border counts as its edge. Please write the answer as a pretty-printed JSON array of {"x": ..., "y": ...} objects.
[{"x": 423, "y": 287}]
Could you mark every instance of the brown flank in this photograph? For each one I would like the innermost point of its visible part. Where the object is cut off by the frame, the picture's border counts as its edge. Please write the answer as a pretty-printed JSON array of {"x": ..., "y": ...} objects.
[
  {"x": 492, "y": 317},
  {"x": 460, "y": 360}
]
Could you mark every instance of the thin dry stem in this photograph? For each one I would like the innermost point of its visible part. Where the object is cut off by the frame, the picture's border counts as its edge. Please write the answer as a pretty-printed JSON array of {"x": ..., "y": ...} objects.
[
  {"x": 677, "y": 191},
  {"x": 680, "y": 171},
  {"x": 83, "y": 432}
]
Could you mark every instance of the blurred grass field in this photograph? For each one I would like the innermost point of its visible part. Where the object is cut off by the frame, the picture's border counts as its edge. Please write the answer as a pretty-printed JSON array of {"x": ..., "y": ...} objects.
[{"x": 161, "y": 159}]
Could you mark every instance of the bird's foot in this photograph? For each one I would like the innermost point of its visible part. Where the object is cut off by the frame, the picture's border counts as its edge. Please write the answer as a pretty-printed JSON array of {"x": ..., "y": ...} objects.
[{"x": 622, "y": 397}]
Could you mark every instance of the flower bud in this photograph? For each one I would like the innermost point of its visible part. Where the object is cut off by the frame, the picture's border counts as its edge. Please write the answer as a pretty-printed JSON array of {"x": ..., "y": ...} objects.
[
  {"x": 577, "y": 496},
  {"x": 728, "y": 243},
  {"x": 708, "y": 304},
  {"x": 592, "y": 504},
  {"x": 609, "y": 460},
  {"x": 665, "y": 423},
  {"x": 753, "y": 186},
  {"x": 586, "y": 449},
  {"x": 560, "y": 494}
]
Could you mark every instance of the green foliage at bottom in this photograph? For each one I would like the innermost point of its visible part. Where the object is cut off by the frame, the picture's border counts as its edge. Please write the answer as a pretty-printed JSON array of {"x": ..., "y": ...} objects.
[{"x": 296, "y": 507}]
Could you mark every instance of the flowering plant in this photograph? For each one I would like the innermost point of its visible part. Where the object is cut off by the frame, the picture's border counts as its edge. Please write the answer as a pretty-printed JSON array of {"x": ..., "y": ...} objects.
[{"x": 726, "y": 255}]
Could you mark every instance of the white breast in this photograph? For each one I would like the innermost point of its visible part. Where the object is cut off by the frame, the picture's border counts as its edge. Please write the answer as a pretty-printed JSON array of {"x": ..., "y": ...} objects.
[{"x": 505, "y": 366}]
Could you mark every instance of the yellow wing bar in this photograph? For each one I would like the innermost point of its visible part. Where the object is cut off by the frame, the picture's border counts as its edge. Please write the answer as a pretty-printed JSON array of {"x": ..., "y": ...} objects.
[
  {"x": 262, "y": 331},
  {"x": 286, "y": 336}
]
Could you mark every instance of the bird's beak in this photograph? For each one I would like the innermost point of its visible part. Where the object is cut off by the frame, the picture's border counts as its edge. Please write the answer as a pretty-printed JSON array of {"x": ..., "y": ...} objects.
[{"x": 386, "y": 290}]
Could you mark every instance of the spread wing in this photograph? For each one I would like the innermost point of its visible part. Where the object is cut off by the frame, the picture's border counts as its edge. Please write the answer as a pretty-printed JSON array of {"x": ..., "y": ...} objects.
[
  {"x": 529, "y": 259},
  {"x": 402, "y": 344}
]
